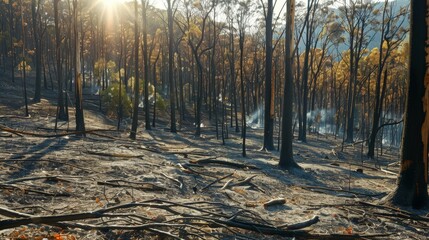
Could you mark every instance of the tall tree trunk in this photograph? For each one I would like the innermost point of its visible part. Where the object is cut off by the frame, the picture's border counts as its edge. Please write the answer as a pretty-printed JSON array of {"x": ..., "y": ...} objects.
[
  {"x": 412, "y": 182},
  {"x": 134, "y": 124},
  {"x": 286, "y": 151},
  {"x": 24, "y": 63},
  {"x": 146, "y": 66},
  {"x": 269, "y": 106},
  {"x": 171, "y": 67},
  {"x": 243, "y": 105},
  {"x": 38, "y": 44},
  {"x": 61, "y": 110},
  {"x": 80, "y": 121}
]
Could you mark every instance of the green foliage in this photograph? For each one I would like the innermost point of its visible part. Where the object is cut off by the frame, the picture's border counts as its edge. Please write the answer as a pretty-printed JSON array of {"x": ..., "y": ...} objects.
[{"x": 110, "y": 98}]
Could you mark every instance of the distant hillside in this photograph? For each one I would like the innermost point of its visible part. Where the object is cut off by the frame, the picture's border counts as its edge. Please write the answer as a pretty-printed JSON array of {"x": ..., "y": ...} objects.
[{"x": 376, "y": 35}]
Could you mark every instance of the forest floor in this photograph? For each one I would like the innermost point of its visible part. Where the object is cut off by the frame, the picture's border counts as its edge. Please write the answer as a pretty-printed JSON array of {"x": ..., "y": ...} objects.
[{"x": 166, "y": 186}]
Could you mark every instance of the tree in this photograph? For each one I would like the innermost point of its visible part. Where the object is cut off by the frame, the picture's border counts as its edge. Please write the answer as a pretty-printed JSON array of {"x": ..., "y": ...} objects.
[
  {"x": 412, "y": 182},
  {"x": 392, "y": 35},
  {"x": 309, "y": 25},
  {"x": 286, "y": 152},
  {"x": 23, "y": 64},
  {"x": 356, "y": 17},
  {"x": 269, "y": 104},
  {"x": 133, "y": 132},
  {"x": 38, "y": 36},
  {"x": 171, "y": 66},
  {"x": 242, "y": 18},
  {"x": 195, "y": 37},
  {"x": 146, "y": 65},
  {"x": 61, "y": 113},
  {"x": 80, "y": 121}
]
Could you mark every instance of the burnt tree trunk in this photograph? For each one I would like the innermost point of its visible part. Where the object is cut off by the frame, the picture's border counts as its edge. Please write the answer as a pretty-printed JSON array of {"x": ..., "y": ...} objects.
[{"x": 411, "y": 187}]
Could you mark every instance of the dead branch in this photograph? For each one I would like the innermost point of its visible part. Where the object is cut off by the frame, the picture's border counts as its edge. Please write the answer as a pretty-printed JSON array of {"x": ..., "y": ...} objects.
[
  {"x": 216, "y": 181},
  {"x": 144, "y": 186},
  {"x": 227, "y": 184},
  {"x": 388, "y": 172},
  {"x": 397, "y": 213},
  {"x": 311, "y": 188},
  {"x": 222, "y": 162},
  {"x": 178, "y": 181},
  {"x": 26, "y": 190},
  {"x": 301, "y": 225},
  {"x": 47, "y": 178},
  {"x": 211, "y": 219},
  {"x": 118, "y": 155},
  {"x": 244, "y": 182}
]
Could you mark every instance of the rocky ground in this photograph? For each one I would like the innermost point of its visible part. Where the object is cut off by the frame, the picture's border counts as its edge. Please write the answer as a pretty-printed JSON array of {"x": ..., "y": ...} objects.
[{"x": 55, "y": 185}]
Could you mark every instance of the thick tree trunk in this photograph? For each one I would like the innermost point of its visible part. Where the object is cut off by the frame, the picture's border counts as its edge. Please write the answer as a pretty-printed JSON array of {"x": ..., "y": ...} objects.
[
  {"x": 286, "y": 152},
  {"x": 412, "y": 180}
]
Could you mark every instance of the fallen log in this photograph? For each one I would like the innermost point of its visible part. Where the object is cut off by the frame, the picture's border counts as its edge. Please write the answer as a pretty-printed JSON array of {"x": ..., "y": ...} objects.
[{"x": 274, "y": 202}]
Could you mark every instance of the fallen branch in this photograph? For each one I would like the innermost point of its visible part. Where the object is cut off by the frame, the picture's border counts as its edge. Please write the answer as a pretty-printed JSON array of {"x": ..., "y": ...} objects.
[
  {"x": 179, "y": 182},
  {"x": 216, "y": 181},
  {"x": 47, "y": 178},
  {"x": 222, "y": 162},
  {"x": 145, "y": 186},
  {"x": 213, "y": 218},
  {"x": 119, "y": 155},
  {"x": 301, "y": 225},
  {"x": 26, "y": 190},
  {"x": 388, "y": 172},
  {"x": 244, "y": 182},
  {"x": 339, "y": 190}
]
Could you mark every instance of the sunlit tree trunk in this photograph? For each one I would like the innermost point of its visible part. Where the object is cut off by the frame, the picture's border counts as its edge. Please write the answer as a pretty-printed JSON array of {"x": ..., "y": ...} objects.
[
  {"x": 80, "y": 121},
  {"x": 134, "y": 124},
  {"x": 146, "y": 66}
]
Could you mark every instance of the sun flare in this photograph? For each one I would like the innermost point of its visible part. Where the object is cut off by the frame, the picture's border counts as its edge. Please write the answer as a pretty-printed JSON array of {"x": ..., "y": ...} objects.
[{"x": 110, "y": 4}]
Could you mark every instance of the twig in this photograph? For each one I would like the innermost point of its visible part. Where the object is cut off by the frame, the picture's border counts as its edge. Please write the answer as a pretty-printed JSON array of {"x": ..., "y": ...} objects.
[
  {"x": 216, "y": 181},
  {"x": 180, "y": 183}
]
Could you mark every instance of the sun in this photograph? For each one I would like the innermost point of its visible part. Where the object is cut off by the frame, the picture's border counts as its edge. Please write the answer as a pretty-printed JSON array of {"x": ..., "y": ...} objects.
[
  {"x": 111, "y": 9},
  {"x": 110, "y": 4}
]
